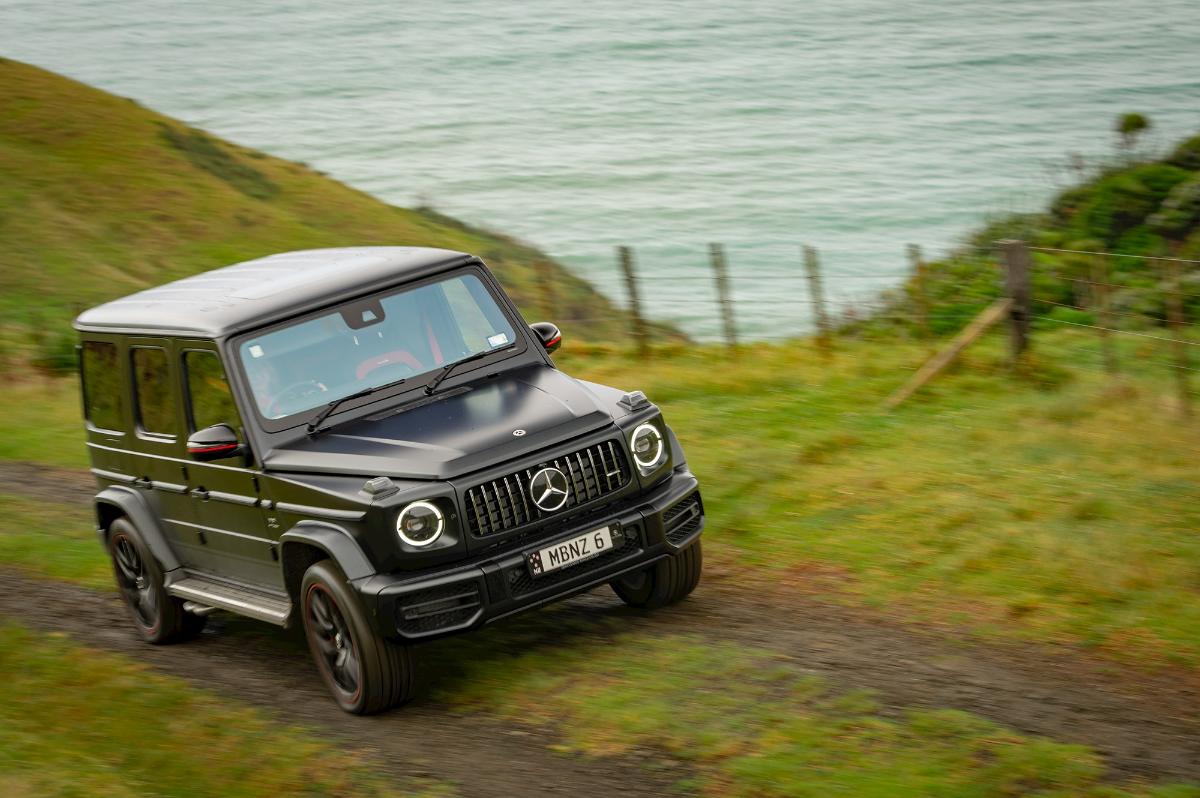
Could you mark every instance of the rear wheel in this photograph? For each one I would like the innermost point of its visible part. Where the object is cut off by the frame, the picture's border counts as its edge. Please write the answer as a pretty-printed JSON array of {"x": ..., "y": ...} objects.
[
  {"x": 364, "y": 672},
  {"x": 663, "y": 583},
  {"x": 159, "y": 616}
]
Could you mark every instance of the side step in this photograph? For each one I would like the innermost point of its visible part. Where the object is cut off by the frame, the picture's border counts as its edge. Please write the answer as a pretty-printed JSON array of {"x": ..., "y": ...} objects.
[{"x": 268, "y": 607}]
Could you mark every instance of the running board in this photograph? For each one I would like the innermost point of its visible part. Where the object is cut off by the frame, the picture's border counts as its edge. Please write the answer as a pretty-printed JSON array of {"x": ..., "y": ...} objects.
[{"x": 224, "y": 596}]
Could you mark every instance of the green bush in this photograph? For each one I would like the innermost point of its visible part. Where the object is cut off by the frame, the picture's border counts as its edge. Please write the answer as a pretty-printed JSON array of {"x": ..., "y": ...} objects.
[{"x": 54, "y": 350}]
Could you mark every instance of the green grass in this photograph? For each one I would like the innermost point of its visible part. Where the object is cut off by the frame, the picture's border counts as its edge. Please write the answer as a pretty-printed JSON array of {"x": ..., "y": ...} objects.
[
  {"x": 42, "y": 422},
  {"x": 1061, "y": 504},
  {"x": 752, "y": 724},
  {"x": 76, "y": 722},
  {"x": 55, "y": 541},
  {"x": 100, "y": 197},
  {"x": 1056, "y": 505}
]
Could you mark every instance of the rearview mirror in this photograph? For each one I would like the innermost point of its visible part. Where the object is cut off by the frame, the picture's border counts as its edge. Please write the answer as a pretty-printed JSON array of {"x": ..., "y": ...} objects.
[
  {"x": 549, "y": 335},
  {"x": 214, "y": 443}
]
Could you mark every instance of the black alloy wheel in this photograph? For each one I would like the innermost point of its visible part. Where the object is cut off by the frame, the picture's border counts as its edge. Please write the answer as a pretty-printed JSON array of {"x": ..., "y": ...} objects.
[
  {"x": 136, "y": 588},
  {"x": 334, "y": 642},
  {"x": 365, "y": 672},
  {"x": 158, "y": 616}
]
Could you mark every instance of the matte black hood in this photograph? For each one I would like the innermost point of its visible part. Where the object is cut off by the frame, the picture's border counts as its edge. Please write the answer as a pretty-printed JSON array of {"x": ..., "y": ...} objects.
[{"x": 463, "y": 431}]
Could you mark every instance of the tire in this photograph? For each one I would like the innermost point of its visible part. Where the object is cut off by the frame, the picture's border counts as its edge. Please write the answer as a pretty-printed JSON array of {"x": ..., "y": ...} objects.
[
  {"x": 364, "y": 672},
  {"x": 663, "y": 583},
  {"x": 158, "y": 616}
]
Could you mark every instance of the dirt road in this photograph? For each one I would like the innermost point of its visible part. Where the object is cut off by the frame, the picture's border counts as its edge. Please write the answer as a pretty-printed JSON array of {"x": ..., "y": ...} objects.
[{"x": 1145, "y": 725}]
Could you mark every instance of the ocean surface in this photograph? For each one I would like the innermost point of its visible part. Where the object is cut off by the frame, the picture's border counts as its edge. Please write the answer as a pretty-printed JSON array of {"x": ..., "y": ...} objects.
[{"x": 856, "y": 126}]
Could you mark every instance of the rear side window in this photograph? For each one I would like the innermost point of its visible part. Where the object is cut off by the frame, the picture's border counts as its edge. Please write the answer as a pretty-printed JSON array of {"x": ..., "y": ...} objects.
[
  {"x": 152, "y": 387},
  {"x": 209, "y": 397},
  {"x": 102, "y": 385}
]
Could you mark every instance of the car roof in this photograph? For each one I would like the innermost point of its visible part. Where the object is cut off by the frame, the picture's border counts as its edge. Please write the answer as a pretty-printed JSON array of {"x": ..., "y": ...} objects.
[{"x": 223, "y": 301}]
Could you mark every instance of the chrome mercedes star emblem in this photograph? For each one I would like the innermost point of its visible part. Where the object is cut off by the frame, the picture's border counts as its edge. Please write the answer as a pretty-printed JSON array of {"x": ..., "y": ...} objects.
[
  {"x": 549, "y": 489},
  {"x": 518, "y": 432}
]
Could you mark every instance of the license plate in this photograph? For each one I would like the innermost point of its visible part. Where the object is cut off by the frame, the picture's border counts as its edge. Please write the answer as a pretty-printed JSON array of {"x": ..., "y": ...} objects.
[{"x": 569, "y": 552}]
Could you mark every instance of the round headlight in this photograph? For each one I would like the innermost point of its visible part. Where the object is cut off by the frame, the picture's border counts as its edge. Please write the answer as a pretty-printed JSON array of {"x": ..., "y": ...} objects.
[
  {"x": 420, "y": 524},
  {"x": 648, "y": 447}
]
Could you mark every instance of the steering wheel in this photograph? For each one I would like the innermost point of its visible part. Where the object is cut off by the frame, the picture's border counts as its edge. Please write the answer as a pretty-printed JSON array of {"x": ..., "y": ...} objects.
[
  {"x": 398, "y": 357},
  {"x": 295, "y": 393}
]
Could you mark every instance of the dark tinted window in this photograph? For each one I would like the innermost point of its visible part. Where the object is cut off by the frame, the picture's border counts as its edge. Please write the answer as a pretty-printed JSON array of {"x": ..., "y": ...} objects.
[
  {"x": 102, "y": 385},
  {"x": 152, "y": 387},
  {"x": 210, "y": 398}
]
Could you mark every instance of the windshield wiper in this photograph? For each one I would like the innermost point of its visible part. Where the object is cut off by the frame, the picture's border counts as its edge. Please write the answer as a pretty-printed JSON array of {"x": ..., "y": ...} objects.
[
  {"x": 432, "y": 385},
  {"x": 327, "y": 410}
]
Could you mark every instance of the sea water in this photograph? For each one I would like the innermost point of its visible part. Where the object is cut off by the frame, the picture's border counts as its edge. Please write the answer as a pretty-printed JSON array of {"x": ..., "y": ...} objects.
[{"x": 856, "y": 127}]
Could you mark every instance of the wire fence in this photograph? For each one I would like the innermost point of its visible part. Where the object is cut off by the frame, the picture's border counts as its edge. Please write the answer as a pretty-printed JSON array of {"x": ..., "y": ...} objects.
[{"x": 1151, "y": 300}]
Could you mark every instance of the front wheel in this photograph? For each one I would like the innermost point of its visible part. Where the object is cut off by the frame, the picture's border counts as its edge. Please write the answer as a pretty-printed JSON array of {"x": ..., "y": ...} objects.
[
  {"x": 663, "y": 583},
  {"x": 364, "y": 672}
]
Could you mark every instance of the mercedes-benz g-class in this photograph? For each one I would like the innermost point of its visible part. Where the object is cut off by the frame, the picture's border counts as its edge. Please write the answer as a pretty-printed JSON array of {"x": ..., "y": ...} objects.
[{"x": 370, "y": 443}]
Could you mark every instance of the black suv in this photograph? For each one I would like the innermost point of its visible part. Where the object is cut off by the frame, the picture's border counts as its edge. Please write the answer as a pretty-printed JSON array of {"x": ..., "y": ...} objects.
[{"x": 372, "y": 443}]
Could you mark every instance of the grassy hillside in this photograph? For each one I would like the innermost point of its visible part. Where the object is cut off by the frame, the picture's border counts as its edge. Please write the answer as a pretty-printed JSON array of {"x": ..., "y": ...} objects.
[{"x": 100, "y": 197}]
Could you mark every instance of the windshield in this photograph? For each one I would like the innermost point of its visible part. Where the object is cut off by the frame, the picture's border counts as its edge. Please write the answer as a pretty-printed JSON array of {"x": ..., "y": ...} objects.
[{"x": 372, "y": 342}]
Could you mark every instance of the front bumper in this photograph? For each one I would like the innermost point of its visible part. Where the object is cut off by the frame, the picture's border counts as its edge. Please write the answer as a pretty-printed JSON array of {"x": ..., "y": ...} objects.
[{"x": 466, "y": 595}]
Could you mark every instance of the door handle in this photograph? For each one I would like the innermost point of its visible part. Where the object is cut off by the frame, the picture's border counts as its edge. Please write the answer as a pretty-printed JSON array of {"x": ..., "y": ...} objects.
[
  {"x": 143, "y": 482},
  {"x": 199, "y": 493}
]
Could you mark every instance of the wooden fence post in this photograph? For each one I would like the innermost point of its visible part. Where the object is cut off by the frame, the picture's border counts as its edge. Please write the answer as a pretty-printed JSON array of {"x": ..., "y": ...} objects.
[
  {"x": 920, "y": 299},
  {"x": 638, "y": 323},
  {"x": 1016, "y": 288},
  {"x": 546, "y": 284},
  {"x": 1100, "y": 300},
  {"x": 812, "y": 267},
  {"x": 1175, "y": 321},
  {"x": 967, "y": 336},
  {"x": 716, "y": 254}
]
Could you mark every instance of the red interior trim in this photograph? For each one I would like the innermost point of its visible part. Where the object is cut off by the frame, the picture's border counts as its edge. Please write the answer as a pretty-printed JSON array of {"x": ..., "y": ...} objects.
[{"x": 215, "y": 448}]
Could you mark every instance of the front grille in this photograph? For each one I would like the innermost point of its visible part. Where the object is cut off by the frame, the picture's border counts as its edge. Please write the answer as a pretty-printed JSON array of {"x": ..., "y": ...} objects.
[
  {"x": 504, "y": 504},
  {"x": 521, "y": 582}
]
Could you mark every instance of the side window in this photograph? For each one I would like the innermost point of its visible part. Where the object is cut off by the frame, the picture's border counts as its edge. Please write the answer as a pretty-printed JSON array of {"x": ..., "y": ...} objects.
[
  {"x": 152, "y": 388},
  {"x": 209, "y": 397},
  {"x": 102, "y": 385}
]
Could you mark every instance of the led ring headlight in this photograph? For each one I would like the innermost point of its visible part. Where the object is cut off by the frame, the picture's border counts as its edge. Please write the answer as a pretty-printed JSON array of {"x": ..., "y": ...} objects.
[
  {"x": 420, "y": 524},
  {"x": 648, "y": 447}
]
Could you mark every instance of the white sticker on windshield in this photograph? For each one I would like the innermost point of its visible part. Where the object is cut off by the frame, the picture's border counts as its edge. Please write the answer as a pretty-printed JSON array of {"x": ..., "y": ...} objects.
[
  {"x": 256, "y": 351},
  {"x": 499, "y": 339}
]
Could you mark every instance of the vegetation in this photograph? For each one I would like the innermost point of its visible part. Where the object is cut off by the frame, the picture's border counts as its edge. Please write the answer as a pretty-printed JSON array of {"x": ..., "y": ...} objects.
[
  {"x": 766, "y": 728},
  {"x": 1004, "y": 506},
  {"x": 100, "y": 197},
  {"x": 1130, "y": 127},
  {"x": 1052, "y": 503},
  {"x": 1142, "y": 209},
  {"x": 65, "y": 729}
]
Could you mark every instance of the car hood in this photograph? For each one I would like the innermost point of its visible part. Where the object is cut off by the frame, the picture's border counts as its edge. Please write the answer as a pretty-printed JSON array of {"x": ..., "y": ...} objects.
[{"x": 486, "y": 422}]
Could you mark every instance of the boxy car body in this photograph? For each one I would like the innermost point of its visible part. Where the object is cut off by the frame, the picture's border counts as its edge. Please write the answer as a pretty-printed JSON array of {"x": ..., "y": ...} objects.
[{"x": 373, "y": 443}]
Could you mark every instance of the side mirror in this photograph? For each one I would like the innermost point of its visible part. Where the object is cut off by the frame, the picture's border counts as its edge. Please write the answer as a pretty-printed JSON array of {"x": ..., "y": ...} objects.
[
  {"x": 549, "y": 335},
  {"x": 214, "y": 443}
]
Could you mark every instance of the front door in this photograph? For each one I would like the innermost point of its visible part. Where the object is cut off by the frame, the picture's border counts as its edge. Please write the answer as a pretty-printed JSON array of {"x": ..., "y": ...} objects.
[{"x": 231, "y": 532}]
